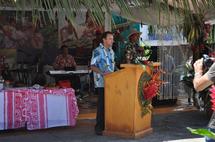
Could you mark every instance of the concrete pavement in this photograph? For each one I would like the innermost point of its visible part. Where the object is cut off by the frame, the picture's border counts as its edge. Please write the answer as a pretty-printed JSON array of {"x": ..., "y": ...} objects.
[{"x": 167, "y": 127}]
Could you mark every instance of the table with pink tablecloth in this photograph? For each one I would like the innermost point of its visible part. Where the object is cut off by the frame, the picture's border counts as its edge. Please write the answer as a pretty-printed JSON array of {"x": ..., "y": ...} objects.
[{"x": 37, "y": 109}]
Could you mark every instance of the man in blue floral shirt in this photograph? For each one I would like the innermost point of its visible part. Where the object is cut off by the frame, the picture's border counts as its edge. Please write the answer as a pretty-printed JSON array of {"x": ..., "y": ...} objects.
[{"x": 102, "y": 63}]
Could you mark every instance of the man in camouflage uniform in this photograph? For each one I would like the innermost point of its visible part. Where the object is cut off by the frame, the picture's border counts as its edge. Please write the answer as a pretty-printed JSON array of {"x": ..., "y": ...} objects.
[{"x": 133, "y": 50}]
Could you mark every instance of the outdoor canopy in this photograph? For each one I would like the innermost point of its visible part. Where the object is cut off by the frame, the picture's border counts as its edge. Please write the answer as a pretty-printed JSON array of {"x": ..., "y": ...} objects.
[{"x": 151, "y": 12}]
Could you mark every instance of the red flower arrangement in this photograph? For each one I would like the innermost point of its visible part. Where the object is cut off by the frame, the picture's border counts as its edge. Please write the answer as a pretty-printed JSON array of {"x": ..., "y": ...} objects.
[
  {"x": 149, "y": 85},
  {"x": 151, "y": 90}
]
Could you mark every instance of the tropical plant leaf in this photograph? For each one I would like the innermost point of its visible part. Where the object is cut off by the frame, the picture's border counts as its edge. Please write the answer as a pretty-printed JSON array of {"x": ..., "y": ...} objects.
[
  {"x": 98, "y": 7},
  {"x": 202, "y": 132}
]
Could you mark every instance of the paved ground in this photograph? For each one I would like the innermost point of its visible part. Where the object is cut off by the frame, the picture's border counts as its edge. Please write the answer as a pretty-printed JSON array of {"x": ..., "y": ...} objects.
[{"x": 167, "y": 127}]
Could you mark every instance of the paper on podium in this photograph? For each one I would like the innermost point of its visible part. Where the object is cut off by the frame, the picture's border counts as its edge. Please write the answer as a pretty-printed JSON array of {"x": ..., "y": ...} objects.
[
  {"x": 58, "y": 72},
  {"x": 69, "y": 72}
]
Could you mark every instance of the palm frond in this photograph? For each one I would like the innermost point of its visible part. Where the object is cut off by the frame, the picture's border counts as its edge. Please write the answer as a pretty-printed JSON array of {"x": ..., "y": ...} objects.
[{"x": 163, "y": 10}]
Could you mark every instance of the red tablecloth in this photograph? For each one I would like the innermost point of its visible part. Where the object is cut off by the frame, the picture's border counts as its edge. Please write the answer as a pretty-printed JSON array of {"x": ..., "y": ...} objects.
[{"x": 37, "y": 109}]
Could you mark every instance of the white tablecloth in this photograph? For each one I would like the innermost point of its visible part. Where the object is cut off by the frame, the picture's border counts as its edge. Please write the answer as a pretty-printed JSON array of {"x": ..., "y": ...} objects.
[{"x": 37, "y": 109}]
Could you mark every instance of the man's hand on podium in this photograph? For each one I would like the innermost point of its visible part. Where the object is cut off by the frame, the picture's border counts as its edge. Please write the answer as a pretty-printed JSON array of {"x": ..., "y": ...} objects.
[{"x": 106, "y": 73}]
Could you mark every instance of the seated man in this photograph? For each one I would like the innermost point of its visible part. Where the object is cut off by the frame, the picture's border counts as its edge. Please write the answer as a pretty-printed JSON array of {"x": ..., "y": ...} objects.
[{"x": 65, "y": 61}]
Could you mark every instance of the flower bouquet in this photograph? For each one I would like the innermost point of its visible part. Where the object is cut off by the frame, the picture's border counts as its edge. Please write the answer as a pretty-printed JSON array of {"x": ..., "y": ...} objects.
[{"x": 148, "y": 87}]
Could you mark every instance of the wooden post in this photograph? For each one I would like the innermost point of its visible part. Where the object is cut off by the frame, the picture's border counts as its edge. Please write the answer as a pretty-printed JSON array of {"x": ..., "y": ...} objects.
[{"x": 108, "y": 21}]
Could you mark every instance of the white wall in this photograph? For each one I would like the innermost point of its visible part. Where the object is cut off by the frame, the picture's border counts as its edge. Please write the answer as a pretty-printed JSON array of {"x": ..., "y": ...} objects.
[{"x": 177, "y": 38}]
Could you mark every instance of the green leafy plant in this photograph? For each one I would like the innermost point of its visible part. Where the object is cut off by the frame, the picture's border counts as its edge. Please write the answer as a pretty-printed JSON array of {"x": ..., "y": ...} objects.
[{"x": 202, "y": 132}]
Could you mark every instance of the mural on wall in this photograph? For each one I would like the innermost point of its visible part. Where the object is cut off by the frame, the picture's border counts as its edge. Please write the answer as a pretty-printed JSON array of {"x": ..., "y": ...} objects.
[
  {"x": 31, "y": 40},
  {"x": 25, "y": 39},
  {"x": 16, "y": 33},
  {"x": 79, "y": 36}
]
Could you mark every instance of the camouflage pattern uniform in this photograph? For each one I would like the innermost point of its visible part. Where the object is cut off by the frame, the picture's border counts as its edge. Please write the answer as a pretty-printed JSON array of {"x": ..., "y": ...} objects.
[{"x": 132, "y": 53}]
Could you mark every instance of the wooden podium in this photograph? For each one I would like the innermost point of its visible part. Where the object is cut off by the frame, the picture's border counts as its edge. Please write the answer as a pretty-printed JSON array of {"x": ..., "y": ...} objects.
[{"x": 122, "y": 108}]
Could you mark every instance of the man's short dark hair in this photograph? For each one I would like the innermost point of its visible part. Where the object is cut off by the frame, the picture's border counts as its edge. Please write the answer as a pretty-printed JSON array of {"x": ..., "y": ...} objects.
[
  {"x": 63, "y": 46},
  {"x": 105, "y": 34}
]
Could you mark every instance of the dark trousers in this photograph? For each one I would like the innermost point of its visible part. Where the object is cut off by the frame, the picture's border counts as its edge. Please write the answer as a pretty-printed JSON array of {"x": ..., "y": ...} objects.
[
  {"x": 211, "y": 127},
  {"x": 100, "y": 117}
]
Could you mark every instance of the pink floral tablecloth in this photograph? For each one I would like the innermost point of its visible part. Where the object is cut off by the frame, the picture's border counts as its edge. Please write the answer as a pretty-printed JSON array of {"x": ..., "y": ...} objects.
[{"x": 37, "y": 109}]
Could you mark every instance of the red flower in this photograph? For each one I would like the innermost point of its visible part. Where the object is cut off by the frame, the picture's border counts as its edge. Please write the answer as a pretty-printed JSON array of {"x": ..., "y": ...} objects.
[
  {"x": 212, "y": 54},
  {"x": 193, "y": 48},
  {"x": 212, "y": 90},
  {"x": 202, "y": 46},
  {"x": 146, "y": 62},
  {"x": 151, "y": 90}
]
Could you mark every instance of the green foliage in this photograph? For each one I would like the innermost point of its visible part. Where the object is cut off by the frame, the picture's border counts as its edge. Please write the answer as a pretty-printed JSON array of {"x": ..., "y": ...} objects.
[
  {"x": 202, "y": 132},
  {"x": 97, "y": 7}
]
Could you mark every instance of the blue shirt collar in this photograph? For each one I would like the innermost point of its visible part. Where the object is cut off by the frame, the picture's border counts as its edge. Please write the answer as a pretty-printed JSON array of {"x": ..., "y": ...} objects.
[{"x": 102, "y": 46}]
